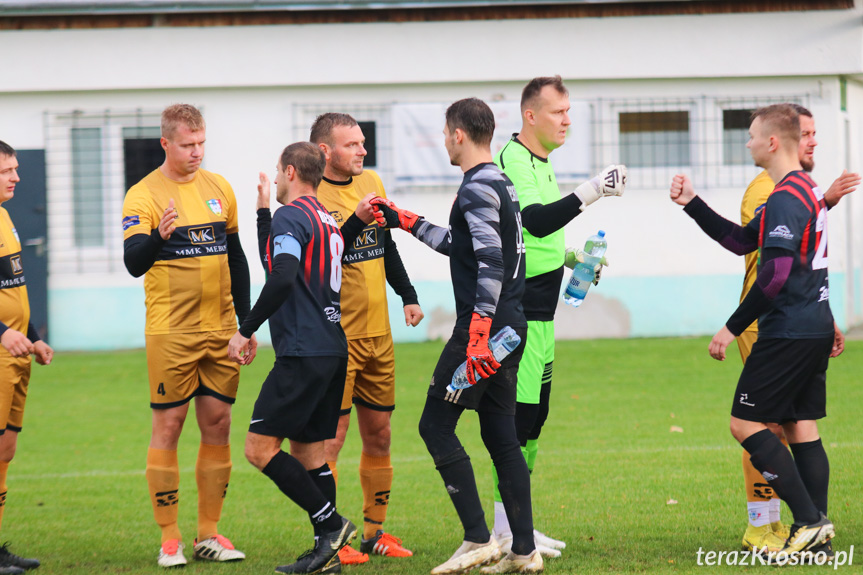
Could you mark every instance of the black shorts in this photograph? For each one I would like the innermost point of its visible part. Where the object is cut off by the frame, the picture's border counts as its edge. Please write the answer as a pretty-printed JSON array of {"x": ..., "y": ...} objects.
[
  {"x": 494, "y": 394},
  {"x": 300, "y": 399},
  {"x": 784, "y": 380}
]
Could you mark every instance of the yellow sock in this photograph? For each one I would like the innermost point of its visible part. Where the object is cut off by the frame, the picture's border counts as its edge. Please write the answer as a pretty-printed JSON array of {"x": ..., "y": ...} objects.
[
  {"x": 4, "y": 468},
  {"x": 332, "y": 466},
  {"x": 376, "y": 478},
  {"x": 757, "y": 488},
  {"x": 212, "y": 472},
  {"x": 163, "y": 479}
]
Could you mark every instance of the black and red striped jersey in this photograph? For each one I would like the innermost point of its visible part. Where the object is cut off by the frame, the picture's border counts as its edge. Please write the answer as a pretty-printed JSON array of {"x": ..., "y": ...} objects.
[
  {"x": 308, "y": 323},
  {"x": 795, "y": 219}
]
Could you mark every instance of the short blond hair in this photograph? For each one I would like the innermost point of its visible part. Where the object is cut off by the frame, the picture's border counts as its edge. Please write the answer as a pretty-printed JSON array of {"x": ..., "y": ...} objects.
[
  {"x": 782, "y": 120},
  {"x": 177, "y": 114}
]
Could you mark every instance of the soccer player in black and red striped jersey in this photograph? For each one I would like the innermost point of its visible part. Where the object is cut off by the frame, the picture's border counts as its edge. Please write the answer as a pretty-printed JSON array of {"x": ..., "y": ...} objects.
[
  {"x": 784, "y": 380},
  {"x": 301, "y": 396}
]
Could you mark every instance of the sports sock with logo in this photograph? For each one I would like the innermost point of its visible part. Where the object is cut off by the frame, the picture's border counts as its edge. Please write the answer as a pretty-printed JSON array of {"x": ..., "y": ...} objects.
[
  {"x": 769, "y": 456},
  {"x": 293, "y": 480},
  {"x": 323, "y": 478},
  {"x": 4, "y": 469},
  {"x": 212, "y": 473},
  {"x": 814, "y": 468},
  {"x": 758, "y": 494},
  {"x": 163, "y": 480},
  {"x": 376, "y": 479}
]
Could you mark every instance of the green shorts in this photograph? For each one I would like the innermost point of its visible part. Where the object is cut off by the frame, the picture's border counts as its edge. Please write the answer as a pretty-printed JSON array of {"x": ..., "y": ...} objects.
[{"x": 538, "y": 351}]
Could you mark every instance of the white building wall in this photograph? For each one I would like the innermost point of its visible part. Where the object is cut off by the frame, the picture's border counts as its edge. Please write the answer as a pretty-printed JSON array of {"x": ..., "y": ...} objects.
[{"x": 666, "y": 277}]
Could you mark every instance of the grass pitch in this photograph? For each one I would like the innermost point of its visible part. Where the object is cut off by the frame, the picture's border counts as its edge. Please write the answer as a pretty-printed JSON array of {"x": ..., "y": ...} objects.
[{"x": 609, "y": 467}]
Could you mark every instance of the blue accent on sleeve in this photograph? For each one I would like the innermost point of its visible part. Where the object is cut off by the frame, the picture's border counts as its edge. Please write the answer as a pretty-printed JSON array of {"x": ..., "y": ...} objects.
[{"x": 287, "y": 244}]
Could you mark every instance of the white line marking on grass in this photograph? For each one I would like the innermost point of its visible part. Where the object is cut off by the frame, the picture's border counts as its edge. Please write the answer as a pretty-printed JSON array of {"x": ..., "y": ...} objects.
[{"x": 248, "y": 469}]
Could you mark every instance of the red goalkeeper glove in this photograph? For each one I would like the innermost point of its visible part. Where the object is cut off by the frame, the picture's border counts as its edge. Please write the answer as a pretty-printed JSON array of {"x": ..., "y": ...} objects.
[
  {"x": 479, "y": 356},
  {"x": 388, "y": 215}
]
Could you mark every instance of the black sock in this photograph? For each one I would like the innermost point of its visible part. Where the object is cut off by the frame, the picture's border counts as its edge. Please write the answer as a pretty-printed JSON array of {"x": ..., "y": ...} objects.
[
  {"x": 323, "y": 478},
  {"x": 775, "y": 463},
  {"x": 437, "y": 428},
  {"x": 513, "y": 477},
  {"x": 291, "y": 478},
  {"x": 457, "y": 474},
  {"x": 814, "y": 468}
]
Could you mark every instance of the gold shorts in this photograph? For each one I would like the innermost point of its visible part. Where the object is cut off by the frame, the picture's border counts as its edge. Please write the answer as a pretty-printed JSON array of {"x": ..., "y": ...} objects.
[
  {"x": 184, "y": 365},
  {"x": 371, "y": 378},
  {"x": 14, "y": 379}
]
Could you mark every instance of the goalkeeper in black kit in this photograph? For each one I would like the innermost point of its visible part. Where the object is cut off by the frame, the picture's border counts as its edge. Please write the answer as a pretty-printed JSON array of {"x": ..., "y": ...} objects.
[{"x": 485, "y": 246}]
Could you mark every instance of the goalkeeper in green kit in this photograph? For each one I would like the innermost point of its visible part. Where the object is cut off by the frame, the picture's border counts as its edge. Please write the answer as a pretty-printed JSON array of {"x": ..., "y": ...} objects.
[{"x": 524, "y": 159}]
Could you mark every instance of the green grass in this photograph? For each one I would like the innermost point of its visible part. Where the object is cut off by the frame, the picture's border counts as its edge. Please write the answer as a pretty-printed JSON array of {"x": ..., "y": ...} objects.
[{"x": 607, "y": 467}]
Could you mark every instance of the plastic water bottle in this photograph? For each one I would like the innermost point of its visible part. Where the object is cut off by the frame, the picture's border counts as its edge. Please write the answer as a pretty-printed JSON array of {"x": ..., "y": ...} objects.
[
  {"x": 500, "y": 345},
  {"x": 583, "y": 274}
]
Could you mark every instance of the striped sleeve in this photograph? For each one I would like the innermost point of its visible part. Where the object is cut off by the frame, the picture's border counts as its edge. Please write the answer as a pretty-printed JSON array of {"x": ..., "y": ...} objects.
[{"x": 481, "y": 207}]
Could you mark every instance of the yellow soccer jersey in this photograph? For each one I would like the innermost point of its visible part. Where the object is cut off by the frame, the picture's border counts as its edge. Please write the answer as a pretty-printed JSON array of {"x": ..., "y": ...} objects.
[
  {"x": 753, "y": 202},
  {"x": 364, "y": 288},
  {"x": 188, "y": 289},
  {"x": 14, "y": 303}
]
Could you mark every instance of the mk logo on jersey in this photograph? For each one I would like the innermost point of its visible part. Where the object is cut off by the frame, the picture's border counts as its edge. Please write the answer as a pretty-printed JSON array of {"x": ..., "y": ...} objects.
[
  {"x": 204, "y": 235},
  {"x": 15, "y": 262},
  {"x": 167, "y": 498},
  {"x": 368, "y": 238},
  {"x": 337, "y": 215}
]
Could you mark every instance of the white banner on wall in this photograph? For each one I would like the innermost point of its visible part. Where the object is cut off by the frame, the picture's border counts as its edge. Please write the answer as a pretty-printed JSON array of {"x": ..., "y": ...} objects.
[{"x": 421, "y": 159}]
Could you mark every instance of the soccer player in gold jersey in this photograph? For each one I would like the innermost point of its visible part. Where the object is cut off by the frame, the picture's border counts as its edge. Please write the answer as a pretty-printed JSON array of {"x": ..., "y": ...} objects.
[
  {"x": 19, "y": 340},
  {"x": 369, "y": 264},
  {"x": 765, "y": 527},
  {"x": 180, "y": 229}
]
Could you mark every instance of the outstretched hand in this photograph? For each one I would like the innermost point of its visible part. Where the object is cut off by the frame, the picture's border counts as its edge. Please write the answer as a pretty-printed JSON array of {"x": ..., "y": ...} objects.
[
  {"x": 842, "y": 186},
  {"x": 263, "y": 191},
  {"x": 389, "y": 215},
  {"x": 681, "y": 191}
]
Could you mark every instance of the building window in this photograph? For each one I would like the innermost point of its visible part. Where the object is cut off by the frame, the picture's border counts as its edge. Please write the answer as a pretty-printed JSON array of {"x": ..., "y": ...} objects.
[
  {"x": 370, "y": 132},
  {"x": 142, "y": 153},
  {"x": 654, "y": 139},
  {"x": 92, "y": 158},
  {"x": 87, "y": 186},
  {"x": 735, "y": 134}
]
